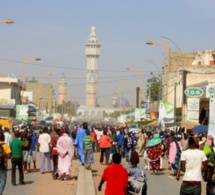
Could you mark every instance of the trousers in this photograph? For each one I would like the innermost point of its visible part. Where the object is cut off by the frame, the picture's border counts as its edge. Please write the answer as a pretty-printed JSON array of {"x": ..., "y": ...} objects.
[
  {"x": 17, "y": 162},
  {"x": 44, "y": 155},
  {"x": 3, "y": 180},
  {"x": 106, "y": 152}
]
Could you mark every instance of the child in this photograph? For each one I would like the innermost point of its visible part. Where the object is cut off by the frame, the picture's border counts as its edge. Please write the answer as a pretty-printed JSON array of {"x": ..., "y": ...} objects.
[
  {"x": 87, "y": 148},
  {"x": 137, "y": 173},
  {"x": 116, "y": 177}
]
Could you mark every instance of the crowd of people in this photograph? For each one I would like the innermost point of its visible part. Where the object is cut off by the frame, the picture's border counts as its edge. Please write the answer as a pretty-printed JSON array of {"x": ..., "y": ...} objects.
[{"x": 192, "y": 154}]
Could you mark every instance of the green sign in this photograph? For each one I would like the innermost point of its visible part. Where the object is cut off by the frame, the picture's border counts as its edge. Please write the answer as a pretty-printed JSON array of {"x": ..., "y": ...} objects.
[
  {"x": 211, "y": 90},
  {"x": 194, "y": 92},
  {"x": 22, "y": 112}
]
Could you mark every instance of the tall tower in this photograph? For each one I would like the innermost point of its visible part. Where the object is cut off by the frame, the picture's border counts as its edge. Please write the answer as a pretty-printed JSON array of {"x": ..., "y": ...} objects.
[
  {"x": 92, "y": 50},
  {"x": 62, "y": 87}
]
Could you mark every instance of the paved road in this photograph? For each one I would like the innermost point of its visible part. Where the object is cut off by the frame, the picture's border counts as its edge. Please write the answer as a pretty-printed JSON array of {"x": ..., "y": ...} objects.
[{"x": 163, "y": 184}]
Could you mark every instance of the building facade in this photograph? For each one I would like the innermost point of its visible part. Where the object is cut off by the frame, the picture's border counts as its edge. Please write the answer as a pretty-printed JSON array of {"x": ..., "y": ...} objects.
[
  {"x": 41, "y": 95},
  {"x": 92, "y": 50},
  {"x": 10, "y": 90},
  {"x": 201, "y": 69}
]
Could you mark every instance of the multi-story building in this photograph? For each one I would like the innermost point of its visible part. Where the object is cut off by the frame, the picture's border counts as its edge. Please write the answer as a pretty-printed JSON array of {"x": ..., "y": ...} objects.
[
  {"x": 10, "y": 90},
  {"x": 200, "y": 69},
  {"x": 41, "y": 95}
]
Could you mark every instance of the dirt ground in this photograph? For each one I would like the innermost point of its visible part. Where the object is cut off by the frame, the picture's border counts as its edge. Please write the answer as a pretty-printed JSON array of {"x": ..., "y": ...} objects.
[{"x": 46, "y": 185}]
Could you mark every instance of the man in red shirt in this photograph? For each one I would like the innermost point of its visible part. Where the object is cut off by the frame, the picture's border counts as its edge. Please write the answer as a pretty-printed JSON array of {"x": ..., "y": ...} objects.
[
  {"x": 116, "y": 176},
  {"x": 54, "y": 153}
]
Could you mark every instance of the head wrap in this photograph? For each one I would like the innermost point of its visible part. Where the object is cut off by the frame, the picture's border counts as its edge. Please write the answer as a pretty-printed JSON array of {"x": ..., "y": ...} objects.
[{"x": 154, "y": 141}]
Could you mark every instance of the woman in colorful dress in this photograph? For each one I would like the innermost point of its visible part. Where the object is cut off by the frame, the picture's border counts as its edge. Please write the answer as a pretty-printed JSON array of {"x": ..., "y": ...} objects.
[{"x": 154, "y": 152}]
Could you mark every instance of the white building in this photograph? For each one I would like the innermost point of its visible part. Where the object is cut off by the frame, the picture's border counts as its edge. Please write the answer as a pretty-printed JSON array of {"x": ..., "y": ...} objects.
[
  {"x": 202, "y": 69},
  {"x": 10, "y": 90},
  {"x": 92, "y": 53}
]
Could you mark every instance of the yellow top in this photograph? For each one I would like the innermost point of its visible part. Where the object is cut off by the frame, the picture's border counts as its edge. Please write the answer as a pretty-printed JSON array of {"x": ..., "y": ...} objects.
[{"x": 7, "y": 151}]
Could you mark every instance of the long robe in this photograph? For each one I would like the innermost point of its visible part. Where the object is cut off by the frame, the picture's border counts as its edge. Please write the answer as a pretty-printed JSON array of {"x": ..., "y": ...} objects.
[
  {"x": 79, "y": 143},
  {"x": 65, "y": 144}
]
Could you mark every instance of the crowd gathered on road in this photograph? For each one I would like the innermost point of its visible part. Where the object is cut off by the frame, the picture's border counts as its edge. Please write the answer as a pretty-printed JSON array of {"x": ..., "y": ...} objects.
[{"x": 190, "y": 153}]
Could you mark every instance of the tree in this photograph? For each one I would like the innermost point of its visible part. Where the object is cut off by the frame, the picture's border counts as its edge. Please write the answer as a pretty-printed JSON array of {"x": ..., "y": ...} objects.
[{"x": 154, "y": 88}]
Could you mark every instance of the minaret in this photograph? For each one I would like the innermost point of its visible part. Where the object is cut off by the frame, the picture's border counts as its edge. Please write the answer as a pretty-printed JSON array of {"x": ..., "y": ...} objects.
[
  {"x": 62, "y": 86},
  {"x": 92, "y": 50}
]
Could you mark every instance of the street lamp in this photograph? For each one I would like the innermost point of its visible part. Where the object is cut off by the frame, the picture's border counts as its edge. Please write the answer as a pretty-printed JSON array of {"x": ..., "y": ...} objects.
[
  {"x": 38, "y": 87},
  {"x": 24, "y": 62},
  {"x": 167, "y": 69},
  {"x": 6, "y": 21},
  {"x": 140, "y": 71}
]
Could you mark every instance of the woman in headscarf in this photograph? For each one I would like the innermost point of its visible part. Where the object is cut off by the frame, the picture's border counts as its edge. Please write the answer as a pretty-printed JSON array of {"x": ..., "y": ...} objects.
[
  {"x": 154, "y": 152},
  {"x": 175, "y": 152}
]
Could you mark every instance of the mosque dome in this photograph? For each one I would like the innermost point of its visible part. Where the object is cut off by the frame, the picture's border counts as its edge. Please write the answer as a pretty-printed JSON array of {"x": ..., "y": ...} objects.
[
  {"x": 122, "y": 102},
  {"x": 76, "y": 104}
]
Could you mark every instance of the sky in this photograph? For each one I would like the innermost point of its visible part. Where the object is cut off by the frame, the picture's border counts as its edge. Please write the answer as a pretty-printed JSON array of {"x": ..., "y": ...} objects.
[{"x": 56, "y": 32}]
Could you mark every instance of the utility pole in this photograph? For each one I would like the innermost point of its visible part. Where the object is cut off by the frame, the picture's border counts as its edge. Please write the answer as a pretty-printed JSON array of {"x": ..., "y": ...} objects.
[
  {"x": 184, "y": 98},
  {"x": 138, "y": 97}
]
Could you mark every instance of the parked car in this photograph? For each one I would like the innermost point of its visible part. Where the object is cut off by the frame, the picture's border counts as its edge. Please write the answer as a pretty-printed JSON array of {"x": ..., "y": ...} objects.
[{"x": 134, "y": 130}]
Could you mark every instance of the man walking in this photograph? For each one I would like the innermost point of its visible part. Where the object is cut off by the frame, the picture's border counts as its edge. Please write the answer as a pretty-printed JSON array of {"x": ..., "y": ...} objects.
[
  {"x": 54, "y": 153},
  {"x": 44, "y": 148},
  {"x": 16, "y": 147},
  {"x": 116, "y": 177},
  {"x": 192, "y": 159},
  {"x": 5, "y": 153},
  {"x": 79, "y": 141},
  {"x": 7, "y": 136},
  {"x": 65, "y": 149}
]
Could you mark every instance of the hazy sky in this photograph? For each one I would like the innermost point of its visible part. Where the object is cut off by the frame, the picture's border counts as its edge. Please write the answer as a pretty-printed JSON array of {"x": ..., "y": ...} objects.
[{"x": 57, "y": 31}]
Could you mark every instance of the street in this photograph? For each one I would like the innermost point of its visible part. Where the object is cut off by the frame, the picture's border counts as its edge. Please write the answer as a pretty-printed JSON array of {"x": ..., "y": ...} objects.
[{"x": 163, "y": 184}]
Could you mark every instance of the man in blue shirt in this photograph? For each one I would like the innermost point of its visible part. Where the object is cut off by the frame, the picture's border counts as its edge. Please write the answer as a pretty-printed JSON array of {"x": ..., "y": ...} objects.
[
  {"x": 33, "y": 151},
  {"x": 120, "y": 139}
]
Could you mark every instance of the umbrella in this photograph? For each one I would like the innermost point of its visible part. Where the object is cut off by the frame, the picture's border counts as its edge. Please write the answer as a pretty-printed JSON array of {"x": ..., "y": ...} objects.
[
  {"x": 153, "y": 123},
  {"x": 200, "y": 129},
  {"x": 5, "y": 123}
]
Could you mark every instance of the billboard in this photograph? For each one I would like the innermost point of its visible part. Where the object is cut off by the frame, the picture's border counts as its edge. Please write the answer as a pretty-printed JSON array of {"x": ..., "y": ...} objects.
[
  {"x": 22, "y": 112},
  {"x": 166, "y": 112},
  {"x": 139, "y": 113}
]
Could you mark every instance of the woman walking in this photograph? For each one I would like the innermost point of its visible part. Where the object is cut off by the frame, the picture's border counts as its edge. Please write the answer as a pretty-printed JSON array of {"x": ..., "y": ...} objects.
[
  {"x": 105, "y": 142},
  {"x": 154, "y": 152}
]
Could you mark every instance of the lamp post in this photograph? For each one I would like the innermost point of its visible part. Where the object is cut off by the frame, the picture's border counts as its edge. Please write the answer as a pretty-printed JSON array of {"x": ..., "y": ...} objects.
[
  {"x": 167, "y": 69},
  {"x": 38, "y": 87},
  {"x": 131, "y": 99},
  {"x": 140, "y": 71},
  {"x": 24, "y": 62},
  {"x": 9, "y": 21}
]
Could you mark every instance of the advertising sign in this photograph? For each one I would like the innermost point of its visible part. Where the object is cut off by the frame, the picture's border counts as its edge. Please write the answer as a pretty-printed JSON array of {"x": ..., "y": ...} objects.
[
  {"x": 139, "y": 114},
  {"x": 22, "y": 112},
  {"x": 193, "y": 104},
  {"x": 211, "y": 128},
  {"x": 194, "y": 92},
  {"x": 166, "y": 112},
  {"x": 193, "y": 109}
]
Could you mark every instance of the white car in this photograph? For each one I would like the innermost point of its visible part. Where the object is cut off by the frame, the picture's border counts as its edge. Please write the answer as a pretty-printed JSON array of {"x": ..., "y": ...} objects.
[{"x": 134, "y": 130}]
